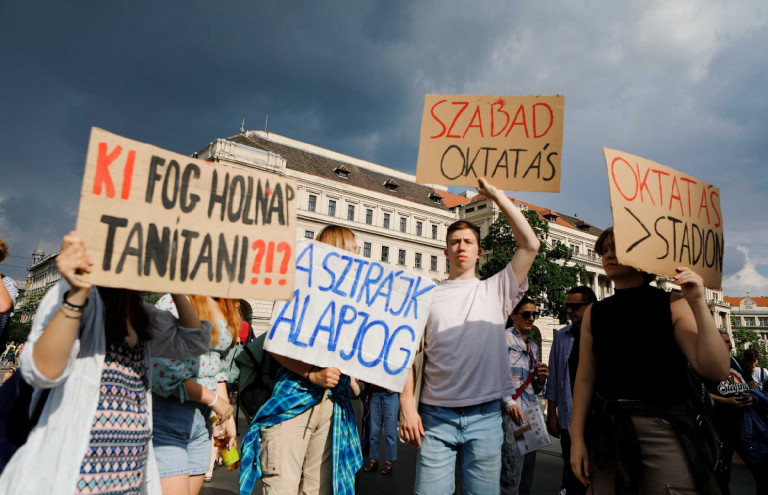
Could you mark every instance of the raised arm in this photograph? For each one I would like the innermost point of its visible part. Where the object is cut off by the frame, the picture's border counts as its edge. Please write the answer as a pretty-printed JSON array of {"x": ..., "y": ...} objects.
[
  {"x": 582, "y": 397},
  {"x": 51, "y": 352},
  {"x": 527, "y": 242},
  {"x": 695, "y": 329}
]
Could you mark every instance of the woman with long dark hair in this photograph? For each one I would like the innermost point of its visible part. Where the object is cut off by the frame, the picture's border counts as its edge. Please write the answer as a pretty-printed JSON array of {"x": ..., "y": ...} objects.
[
  {"x": 91, "y": 346},
  {"x": 632, "y": 384}
]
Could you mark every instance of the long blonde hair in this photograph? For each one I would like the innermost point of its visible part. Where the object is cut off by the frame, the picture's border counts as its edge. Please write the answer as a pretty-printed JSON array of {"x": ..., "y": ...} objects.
[
  {"x": 228, "y": 307},
  {"x": 338, "y": 236}
]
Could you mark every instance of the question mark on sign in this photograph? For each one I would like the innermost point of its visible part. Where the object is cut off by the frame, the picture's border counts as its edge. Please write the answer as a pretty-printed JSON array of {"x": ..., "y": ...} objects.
[
  {"x": 284, "y": 247},
  {"x": 260, "y": 248}
]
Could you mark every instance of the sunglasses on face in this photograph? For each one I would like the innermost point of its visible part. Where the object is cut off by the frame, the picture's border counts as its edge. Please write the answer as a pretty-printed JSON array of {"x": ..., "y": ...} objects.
[
  {"x": 527, "y": 315},
  {"x": 574, "y": 306}
]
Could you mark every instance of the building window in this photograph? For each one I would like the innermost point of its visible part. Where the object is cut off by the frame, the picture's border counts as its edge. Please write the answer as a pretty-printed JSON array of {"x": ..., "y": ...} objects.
[
  {"x": 351, "y": 212},
  {"x": 749, "y": 321},
  {"x": 470, "y": 210},
  {"x": 763, "y": 322},
  {"x": 575, "y": 248},
  {"x": 367, "y": 249},
  {"x": 385, "y": 254},
  {"x": 417, "y": 261},
  {"x": 418, "y": 228},
  {"x": 386, "y": 220},
  {"x": 369, "y": 216},
  {"x": 590, "y": 253},
  {"x": 482, "y": 207},
  {"x": 309, "y": 234},
  {"x": 403, "y": 224},
  {"x": 312, "y": 203},
  {"x": 331, "y": 207},
  {"x": 401, "y": 257},
  {"x": 434, "y": 232},
  {"x": 447, "y": 265},
  {"x": 433, "y": 263}
]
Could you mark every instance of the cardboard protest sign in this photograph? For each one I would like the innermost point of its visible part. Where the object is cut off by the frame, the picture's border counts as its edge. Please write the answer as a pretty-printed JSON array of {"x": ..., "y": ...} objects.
[
  {"x": 513, "y": 141},
  {"x": 663, "y": 218},
  {"x": 363, "y": 317},
  {"x": 160, "y": 221}
]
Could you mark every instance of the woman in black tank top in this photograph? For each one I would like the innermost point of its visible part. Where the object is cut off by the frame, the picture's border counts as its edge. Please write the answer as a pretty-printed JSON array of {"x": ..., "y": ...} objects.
[{"x": 632, "y": 383}]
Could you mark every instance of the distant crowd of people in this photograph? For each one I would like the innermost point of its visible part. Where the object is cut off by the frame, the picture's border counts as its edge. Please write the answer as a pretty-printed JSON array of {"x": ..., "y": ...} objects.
[{"x": 142, "y": 406}]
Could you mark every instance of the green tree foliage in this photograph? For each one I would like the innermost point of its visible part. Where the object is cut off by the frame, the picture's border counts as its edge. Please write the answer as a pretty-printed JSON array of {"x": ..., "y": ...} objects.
[
  {"x": 744, "y": 338},
  {"x": 549, "y": 277},
  {"x": 17, "y": 330}
]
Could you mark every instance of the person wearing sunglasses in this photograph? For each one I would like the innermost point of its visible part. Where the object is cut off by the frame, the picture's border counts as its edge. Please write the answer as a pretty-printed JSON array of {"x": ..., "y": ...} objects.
[
  {"x": 528, "y": 377},
  {"x": 648, "y": 425},
  {"x": 563, "y": 361}
]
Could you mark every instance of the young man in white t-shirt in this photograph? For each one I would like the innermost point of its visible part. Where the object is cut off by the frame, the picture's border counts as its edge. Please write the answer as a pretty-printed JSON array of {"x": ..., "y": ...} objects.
[{"x": 466, "y": 370}]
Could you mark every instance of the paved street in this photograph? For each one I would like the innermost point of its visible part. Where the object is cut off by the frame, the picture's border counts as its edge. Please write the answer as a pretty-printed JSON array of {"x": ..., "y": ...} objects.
[
  {"x": 546, "y": 477},
  {"x": 549, "y": 465}
]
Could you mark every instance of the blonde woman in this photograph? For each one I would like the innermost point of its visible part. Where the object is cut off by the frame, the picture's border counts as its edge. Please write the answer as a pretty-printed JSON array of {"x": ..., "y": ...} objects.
[
  {"x": 188, "y": 393},
  {"x": 276, "y": 448}
]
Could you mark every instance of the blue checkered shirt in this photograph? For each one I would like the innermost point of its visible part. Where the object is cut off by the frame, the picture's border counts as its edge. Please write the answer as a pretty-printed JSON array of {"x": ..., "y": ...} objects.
[
  {"x": 291, "y": 396},
  {"x": 559, "y": 388},
  {"x": 522, "y": 362}
]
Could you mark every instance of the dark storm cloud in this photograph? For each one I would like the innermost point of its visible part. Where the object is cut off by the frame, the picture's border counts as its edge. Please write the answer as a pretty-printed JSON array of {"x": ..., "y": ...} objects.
[{"x": 681, "y": 85}]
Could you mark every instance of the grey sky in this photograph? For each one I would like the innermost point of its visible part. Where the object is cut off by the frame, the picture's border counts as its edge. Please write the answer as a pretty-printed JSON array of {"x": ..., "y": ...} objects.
[{"x": 681, "y": 83}]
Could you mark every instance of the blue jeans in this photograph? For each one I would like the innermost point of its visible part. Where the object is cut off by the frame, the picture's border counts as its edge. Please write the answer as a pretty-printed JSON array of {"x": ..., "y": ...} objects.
[
  {"x": 385, "y": 409},
  {"x": 475, "y": 433},
  {"x": 181, "y": 437}
]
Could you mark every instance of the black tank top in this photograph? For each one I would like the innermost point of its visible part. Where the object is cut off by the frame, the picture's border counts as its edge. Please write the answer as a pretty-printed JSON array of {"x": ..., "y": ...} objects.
[{"x": 636, "y": 354}]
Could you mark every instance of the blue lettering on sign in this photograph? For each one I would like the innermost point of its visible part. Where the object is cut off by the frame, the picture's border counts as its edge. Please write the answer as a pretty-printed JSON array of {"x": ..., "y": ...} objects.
[
  {"x": 331, "y": 308},
  {"x": 363, "y": 332},
  {"x": 330, "y": 271},
  {"x": 343, "y": 276},
  {"x": 295, "y": 321},
  {"x": 310, "y": 265},
  {"x": 385, "y": 289},
  {"x": 413, "y": 299},
  {"x": 346, "y": 356},
  {"x": 405, "y": 297},
  {"x": 369, "y": 279},
  {"x": 358, "y": 271},
  {"x": 407, "y": 352}
]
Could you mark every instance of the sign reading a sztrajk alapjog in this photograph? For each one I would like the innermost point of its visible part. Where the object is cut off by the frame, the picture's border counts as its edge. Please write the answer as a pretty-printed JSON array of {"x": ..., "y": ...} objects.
[
  {"x": 155, "y": 220},
  {"x": 515, "y": 142},
  {"x": 363, "y": 317},
  {"x": 664, "y": 218}
]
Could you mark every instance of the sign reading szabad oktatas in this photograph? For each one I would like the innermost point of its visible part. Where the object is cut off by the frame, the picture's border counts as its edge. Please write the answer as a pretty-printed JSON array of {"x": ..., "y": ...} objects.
[
  {"x": 515, "y": 142},
  {"x": 160, "y": 221},
  {"x": 664, "y": 218}
]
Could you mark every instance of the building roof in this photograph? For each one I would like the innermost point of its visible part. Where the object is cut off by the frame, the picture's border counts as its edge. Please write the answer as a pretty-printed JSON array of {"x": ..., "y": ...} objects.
[
  {"x": 451, "y": 200},
  {"x": 310, "y": 163},
  {"x": 734, "y": 301},
  {"x": 560, "y": 219}
]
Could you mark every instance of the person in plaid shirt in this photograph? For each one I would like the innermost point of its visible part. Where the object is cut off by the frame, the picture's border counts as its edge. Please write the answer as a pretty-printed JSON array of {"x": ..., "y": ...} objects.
[{"x": 530, "y": 376}]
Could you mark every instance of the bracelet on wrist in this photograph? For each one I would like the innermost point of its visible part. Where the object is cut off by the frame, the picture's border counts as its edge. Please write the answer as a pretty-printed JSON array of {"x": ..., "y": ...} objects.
[
  {"x": 313, "y": 368},
  {"x": 214, "y": 400},
  {"x": 76, "y": 316},
  {"x": 74, "y": 307}
]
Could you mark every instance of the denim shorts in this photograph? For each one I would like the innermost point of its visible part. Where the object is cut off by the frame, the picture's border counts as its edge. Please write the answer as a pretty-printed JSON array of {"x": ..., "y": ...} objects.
[{"x": 181, "y": 437}]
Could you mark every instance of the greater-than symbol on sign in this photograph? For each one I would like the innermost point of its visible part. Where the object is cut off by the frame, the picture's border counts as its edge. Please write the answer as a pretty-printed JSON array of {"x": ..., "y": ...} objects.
[{"x": 647, "y": 232}]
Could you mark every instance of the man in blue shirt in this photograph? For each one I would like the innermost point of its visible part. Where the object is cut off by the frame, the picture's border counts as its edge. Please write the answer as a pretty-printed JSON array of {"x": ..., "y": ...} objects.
[{"x": 563, "y": 362}]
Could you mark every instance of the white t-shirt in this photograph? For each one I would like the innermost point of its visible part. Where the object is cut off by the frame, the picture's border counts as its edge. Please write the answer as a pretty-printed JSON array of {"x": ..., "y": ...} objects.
[
  {"x": 465, "y": 347},
  {"x": 760, "y": 376}
]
